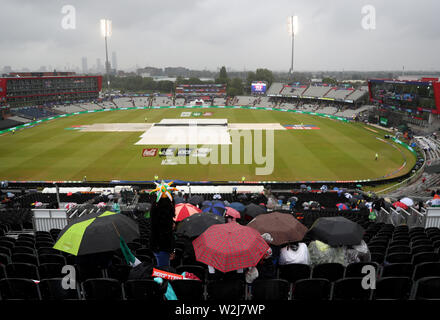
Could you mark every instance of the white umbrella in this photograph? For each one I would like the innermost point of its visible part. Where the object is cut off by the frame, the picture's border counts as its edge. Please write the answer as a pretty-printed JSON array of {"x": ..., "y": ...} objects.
[{"x": 409, "y": 202}]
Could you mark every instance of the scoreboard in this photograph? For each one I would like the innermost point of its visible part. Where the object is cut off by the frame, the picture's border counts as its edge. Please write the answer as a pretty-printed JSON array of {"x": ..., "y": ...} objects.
[{"x": 259, "y": 87}]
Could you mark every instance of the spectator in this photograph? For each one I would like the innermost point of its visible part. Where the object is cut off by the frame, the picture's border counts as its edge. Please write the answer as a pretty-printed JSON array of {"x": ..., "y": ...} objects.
[
  {"x": 294, "y": 253},
  {"x": 162, "y": 239}
]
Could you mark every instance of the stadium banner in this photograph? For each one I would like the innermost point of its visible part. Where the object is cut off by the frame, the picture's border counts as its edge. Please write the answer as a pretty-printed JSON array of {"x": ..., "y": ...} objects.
[
  {"x": 201, "y": 152},
  {"x": 184, "y": 152},
  {"x": 404, "y": 145},
  {"x": 150, "y": 152},
  {"x": 167, "y": 152}
]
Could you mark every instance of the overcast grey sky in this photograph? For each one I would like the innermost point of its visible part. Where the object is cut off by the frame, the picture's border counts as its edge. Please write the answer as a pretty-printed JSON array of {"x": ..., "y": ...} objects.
[{"x": 240, "y": 34}]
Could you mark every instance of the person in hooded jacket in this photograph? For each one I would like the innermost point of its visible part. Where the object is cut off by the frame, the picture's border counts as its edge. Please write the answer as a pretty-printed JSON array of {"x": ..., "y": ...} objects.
[{"x": 162, "y": 239}]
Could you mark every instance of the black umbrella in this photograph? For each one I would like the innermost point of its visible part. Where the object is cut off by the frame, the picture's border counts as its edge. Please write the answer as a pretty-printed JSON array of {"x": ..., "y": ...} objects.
[
  {"x": 98, "y": 232},
  {"x": 242, "y": 197},
  {"x": 195, "y": 225},
  {"x": 253, "y": 210},
  {"x": 336, "y": 231},
  {"x": 195, "y": 200}
]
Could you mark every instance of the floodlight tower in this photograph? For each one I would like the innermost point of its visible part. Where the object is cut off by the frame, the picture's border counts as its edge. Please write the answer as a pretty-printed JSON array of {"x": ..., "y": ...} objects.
[
  {"x": 106, "y": 32},
  {"x": 292, "y": 25}
]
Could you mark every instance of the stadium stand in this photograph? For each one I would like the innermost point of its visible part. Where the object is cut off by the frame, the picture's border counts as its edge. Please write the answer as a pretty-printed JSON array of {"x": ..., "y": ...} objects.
[
  {"x": 316, "y": 91},
  {"x": 70, "y": 108},
  {"x": 33, "y": 112},
  {"x": 275, "y": 88}
]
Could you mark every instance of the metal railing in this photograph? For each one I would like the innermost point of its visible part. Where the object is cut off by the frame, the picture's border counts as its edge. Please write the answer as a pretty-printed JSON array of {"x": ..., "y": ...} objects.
[{"x": 411, "y": 217}]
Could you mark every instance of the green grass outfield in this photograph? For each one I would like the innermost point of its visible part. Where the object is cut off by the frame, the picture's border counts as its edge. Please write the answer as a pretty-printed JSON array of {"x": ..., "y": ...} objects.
[{"x": 337, "y": 151}]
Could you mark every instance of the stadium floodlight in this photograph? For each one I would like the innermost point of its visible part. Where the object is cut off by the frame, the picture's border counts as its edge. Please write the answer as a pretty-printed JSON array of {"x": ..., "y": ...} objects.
[
  {"x": 292, "y": 25},
  {"x": 106, "y": 31},
  {"x": 106, "y": 28}
]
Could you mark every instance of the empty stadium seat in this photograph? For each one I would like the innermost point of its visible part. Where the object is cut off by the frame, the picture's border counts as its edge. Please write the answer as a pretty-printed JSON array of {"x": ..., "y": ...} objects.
[{"x": 145, "y": 289}]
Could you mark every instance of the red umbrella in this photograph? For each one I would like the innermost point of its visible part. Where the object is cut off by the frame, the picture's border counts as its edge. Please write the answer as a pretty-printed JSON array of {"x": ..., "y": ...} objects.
[
  {"x": 184, "y": 210},
  {"x": 231, "y": 246},
  {"x": 232, "y": 213},
  {"x": 399, "y": 204}
]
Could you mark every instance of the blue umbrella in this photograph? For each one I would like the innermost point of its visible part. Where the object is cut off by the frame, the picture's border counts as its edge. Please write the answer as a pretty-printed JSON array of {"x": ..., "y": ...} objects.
[
  {"x": 216, "y": 207},
  {"x": 238, "y": 206}
]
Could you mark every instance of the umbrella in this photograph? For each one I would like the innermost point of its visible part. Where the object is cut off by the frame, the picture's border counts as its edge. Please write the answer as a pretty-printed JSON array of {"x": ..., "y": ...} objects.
[
  {"x": 342, "y": 206},
  {"x": 196, "y": 224},
  {"x": 216, "y": 207},
  {"x": 98, "y": 232},
  {"x": 399, "y": 204},
  {"x": 293, "y": 199},
  {"x": 184, "y": 210},
  {"x": 70, "y": 205},
  {"x": 230, "y": 246},
  {"x": 232, "y": 213},
  {"x": 195, "y": 200},
  {"x": 283, "y": 228},
  {"x": 336, "y": 231},
  {"x": 242, "y": 197},
  {"x": 253, "y": 210},
  {"x": 101, "y": 205},
  {"x": 238, "y": 206},
  {"x": 409, "y": 202}
]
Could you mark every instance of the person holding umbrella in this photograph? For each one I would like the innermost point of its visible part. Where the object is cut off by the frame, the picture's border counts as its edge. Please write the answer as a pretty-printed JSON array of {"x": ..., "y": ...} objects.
[
  {"x": 337, "y": 240},
  {"x": 231, "y": 215}
]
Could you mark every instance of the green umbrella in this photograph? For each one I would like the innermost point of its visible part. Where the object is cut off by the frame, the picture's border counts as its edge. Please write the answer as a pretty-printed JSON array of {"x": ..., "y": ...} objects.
[{"x": 96, "y": 233}]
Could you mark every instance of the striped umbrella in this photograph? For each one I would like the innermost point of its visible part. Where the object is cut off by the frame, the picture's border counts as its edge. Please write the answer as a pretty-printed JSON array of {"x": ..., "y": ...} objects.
[
  {"x": 96, "y": 233},
  {"x": 184, "y": 210},
  {"x": 231, "y": 212}
]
